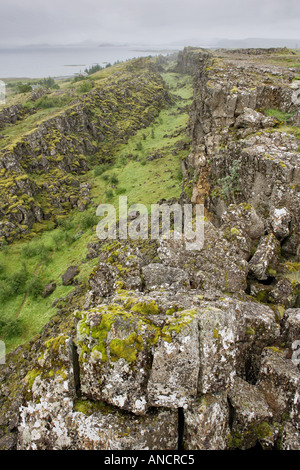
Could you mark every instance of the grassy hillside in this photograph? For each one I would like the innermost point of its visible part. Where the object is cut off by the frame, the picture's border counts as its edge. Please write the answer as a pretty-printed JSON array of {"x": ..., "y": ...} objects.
[{"x": 146, "y": 169}]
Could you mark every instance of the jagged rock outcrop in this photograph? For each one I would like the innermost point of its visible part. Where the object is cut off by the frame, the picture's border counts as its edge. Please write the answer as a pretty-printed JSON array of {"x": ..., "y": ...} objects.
[
  {"x": 12, "y": 114},
  {"x": 244, "y": 165}
]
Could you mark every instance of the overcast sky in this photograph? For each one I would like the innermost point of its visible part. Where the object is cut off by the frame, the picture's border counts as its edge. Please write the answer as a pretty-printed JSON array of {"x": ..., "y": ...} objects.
[{"x": 148, "y": 21}]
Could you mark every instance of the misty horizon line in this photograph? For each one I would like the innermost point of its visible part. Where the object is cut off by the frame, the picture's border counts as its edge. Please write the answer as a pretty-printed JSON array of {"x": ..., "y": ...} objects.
[{"x": 191, "y": 42}]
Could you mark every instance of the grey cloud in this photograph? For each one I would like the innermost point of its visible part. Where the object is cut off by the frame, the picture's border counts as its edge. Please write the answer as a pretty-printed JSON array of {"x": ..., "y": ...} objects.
[{"x": 67, "y": 21}]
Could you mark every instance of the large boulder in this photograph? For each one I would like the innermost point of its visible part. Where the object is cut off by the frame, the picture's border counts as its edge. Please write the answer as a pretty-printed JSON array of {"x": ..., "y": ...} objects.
[
  {"x": 252, "y": 416},
  {"x": 242, "y": 227},
  {"x": 265, "y": 260},
  {"x": 279, "y": 381},
  {"x": 174, "y": 375},
  {"x": 69, "y": 275},
  {"x": 156, "y": 275},
  {"x": 214, "y": 265},
  {"x": 206, "y": 423}
]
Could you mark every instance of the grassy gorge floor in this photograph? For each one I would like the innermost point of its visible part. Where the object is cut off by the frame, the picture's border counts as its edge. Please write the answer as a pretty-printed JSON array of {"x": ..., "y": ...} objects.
[{"x": 146, "y": 169}]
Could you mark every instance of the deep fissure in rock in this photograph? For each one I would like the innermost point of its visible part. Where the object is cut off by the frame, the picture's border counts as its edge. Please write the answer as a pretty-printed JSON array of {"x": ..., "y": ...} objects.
[
  {"x": 76, "y": 370},
  {"x": 180, "y": 429},
  {"x": 231, "y": 413}
]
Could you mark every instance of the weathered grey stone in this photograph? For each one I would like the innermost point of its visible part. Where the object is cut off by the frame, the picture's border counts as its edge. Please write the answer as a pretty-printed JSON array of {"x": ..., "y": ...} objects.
[
  {"x": 266, "y": 257},
  {"x": 101, "y": 284},
  {"x": 217, "y": 349},
  {"x": 280, "y": 221},
  {"x": 206, "y": 267},
  {"x": 116, "y": 431},
  {"x": 290, "y": 438},
  {"x": 206, "y": 423},
  {"x": 291, "y": 326},
  {"x": 174, "y": 375},
  {"x": 242, "y": 227},
  {"x": 279, "y": 381},
  {"x": 256, "y": 329},
  {"x": 49, "y": 391},
  {"x": 9, "y": 442},
  {"x": 249, "y": 118},
  {"x": 69, "y": 275},
  {"x": 251, "y": 415},
  {"x": 114, "y": 357},
  {"x": 157, "y": 275},
  {"x": 48, "y": 289},
  {"x": 284, "y": 293}
]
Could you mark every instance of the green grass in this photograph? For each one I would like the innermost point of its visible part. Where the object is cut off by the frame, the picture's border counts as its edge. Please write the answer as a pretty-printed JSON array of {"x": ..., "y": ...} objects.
[
  {"x": 48, "y": 254},
  {"x": 36, "y": 311},
  {"x": 144, "y": 181},
  {"x": 278, "y": 114},
  {"x": 291, "y": 130}
]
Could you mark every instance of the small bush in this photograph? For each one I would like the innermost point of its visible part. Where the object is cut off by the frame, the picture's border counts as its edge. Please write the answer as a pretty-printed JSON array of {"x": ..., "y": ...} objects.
[
  {"x": 17, "y": 282},
  {"x": 121, "y": 191},
  {"x": 69, "y": 238},
  {"x": 2, "y": 271},
  {"x": 32, "y": 250},
  {"x": 114, "y": 179},
  {"x": 100, "y": 169},
  {"x": 49, "y": 82},
  {"x": 35, "y": 287},
  {"x": 24, "y": 88},
  {"x": 179, "y": 175},
  {"x": 109, "y": 194},
  {"x": 85, "y": 87},
  {"x": 46, "y": 102},
  {"x": 58, "y": 238},
  {"x": 10, "y": 328},
  {"x": 4, "y": 247},
  {"x": 6, "y": 291},
  {"x": 139, "y": 146},
  {"x": 29, "y": 251},
  {"x": 93, "y": 69},
  {"x": 88, "y": 220},
  {"x": 67, "y": 224}
]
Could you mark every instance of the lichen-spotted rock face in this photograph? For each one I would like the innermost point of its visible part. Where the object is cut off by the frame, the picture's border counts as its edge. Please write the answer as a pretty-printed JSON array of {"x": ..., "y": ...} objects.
[{"x": 135, "y": 357}]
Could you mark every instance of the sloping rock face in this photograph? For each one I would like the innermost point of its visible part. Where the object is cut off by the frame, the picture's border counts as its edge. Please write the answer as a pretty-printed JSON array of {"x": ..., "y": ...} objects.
[
  {"x": 246, "y": 155},
  {"x": 245, "y": 163},
  {"x": 12, "y": 114},
  {"x": 40, "y": 170}
]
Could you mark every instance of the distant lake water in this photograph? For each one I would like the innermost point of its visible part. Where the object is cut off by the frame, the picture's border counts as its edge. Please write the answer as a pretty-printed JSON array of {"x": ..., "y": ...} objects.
[{"x": 40, "y": 62}]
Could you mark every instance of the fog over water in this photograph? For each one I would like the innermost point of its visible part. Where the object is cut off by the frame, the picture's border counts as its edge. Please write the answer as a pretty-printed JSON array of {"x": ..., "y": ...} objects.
[
  {"x": 144, "y": 23},
  {"x": 64, "y": 61}
]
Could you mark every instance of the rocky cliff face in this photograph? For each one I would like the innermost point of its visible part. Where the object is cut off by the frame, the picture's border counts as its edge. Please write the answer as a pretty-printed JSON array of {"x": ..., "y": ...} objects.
[
  {"x": 245, "y": 161},
  {"x": 40, "y": 169},
  {"x": 171, "y": 348}
]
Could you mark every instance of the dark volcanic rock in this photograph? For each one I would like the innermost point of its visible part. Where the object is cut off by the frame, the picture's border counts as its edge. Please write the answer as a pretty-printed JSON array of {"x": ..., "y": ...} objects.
[
  {"x": 48, "y": 289},
  {"x": 68, "y": 276}
]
